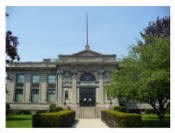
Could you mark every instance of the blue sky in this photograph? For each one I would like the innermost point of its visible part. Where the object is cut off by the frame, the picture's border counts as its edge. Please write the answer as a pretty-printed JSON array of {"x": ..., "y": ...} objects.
[{"x": 46, "y": 32}]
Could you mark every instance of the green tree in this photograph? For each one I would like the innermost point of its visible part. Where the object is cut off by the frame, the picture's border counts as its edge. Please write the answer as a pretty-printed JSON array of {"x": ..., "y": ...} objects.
[
  {"x": 158, "y": 28},
  {"x": 145, "y": 74}
]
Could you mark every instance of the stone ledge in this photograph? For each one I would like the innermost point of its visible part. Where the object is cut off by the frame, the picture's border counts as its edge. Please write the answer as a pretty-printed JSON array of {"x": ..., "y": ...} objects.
[{"x": 30, "y": 106}]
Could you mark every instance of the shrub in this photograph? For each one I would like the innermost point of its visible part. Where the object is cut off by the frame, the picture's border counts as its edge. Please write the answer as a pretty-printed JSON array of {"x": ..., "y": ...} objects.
[
  {"x": 41, "y": 111},
  {"x": 149, "y": 111},
  {"x": 19, "y": 112},
  {"x": 57, "y": 109},
  {"x": 7, "y": 108},
  {"x": 54, "y": 108},
  {"x": 134, "y": 111},
  {"x": 119, "y": 119},
  {"x": 120, "y": 108},
  {"x": 63, "y": 118},
  {"x": 26, "y": 112},
  {"x": 168, "y": 111}
]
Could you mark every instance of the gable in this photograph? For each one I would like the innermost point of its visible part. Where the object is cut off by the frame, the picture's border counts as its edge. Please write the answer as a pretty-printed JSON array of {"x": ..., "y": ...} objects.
[{"x": 87, "y": 53}]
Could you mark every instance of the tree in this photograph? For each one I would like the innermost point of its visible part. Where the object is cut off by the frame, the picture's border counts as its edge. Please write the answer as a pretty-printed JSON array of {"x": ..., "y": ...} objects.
[
  {"x": 11, "y": 45},
  {"x": 11, "y": 49},
  {"x": 160, "y": 27},
  {"x": 145, "y": 74},
  {"x": 155, "y": 29}
]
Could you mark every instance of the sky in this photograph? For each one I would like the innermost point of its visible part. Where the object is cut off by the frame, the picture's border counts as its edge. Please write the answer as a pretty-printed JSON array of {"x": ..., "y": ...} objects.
[{"x": 46, "y": 32}]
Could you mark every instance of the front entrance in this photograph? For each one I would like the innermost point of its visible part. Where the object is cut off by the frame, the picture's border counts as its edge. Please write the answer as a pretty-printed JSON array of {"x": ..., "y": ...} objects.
[{"x": 87, "y": 96}]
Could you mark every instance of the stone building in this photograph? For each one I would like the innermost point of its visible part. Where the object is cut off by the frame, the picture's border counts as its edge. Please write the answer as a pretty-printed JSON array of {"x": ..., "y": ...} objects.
[{"x": 75, "y": 80}]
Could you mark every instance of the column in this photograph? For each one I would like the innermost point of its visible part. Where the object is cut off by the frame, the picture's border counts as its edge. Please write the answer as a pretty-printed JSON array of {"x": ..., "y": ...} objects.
[
  {"x": 101, "y": 88},
  {"x": 43, "y": 88},
  {"x": 74, "y": 88},
  {"x": 27, "y": 89},
  {"x": 10, "y": 88},
  {"x": 78, "y": 95},
  {"x": 60, "y": 89}
]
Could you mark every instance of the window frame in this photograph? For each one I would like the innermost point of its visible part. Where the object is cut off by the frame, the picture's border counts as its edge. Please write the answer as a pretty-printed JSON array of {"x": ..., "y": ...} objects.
[
  {"x": 53, "y": 89},
  {"x": 15, "y": 99},
  {"x": 31, "y": 96},
  {"x": 48, "y": 79},
  {"x": 32, "y": 79},
  {"x": 20, "y": 83},
  {"x": 87, "y": 77}
]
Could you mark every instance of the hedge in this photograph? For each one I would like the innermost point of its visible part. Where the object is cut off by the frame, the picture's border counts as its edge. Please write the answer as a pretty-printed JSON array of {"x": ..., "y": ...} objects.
[
  {"x": 120, "y": 108},
  {"x": 19, "y": 112},
  {"x": 134, "y": 111},
  {"x": 149, "y": 111},
  {"x": 7, "y": 108},
  {"x": 63, "y": 118},
  {"x": 41, "y": 111},
  {"x": 54, "y": 108},
  {"x": 119, "y": 119}
]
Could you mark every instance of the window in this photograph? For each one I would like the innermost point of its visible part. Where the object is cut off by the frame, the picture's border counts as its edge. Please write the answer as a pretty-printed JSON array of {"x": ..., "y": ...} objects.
[
  {"x": 35, "y": 95},
  {"x": 51, "y": 95},
  {"x": 87, "y": 77},
  {"x": 35, "y": 79},
  {"x": 19, "y": 95},
  {"x": 51, "y": 79},
  {"x": 66, "y": 95},
  {"x": 20, "y": 79}
]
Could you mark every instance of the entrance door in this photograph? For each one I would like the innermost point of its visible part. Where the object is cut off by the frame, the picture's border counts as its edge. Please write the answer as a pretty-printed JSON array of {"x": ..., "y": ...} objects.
[{"x": 87, "y": 96}]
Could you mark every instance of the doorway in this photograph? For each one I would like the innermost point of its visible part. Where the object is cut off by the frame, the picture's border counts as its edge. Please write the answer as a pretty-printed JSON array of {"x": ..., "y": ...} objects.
[{"x": 87, "y": 96}]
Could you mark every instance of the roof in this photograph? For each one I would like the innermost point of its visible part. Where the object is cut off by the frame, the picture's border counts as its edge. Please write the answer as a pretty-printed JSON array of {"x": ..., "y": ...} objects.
[{"x": 87, "y": 52}]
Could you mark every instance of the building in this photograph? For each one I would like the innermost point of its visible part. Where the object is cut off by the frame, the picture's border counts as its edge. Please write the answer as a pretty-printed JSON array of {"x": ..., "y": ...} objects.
[{"x": 75, "y": 80}]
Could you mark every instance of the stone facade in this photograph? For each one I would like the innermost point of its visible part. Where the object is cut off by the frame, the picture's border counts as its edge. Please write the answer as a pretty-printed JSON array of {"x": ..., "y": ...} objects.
[{"x": 79, "y": 81}]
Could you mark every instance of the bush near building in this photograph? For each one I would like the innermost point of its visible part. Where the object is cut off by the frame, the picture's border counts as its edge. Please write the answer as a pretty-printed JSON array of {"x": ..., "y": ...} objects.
[
  {"x": 7, "y": 108},
  {"x": 54, "y": 108},
  {"x": 120, "y": 119},
  {"x": 19, "y": 112},
  {"x": 63, "y": 118},
  {"x": 120, "y": 108},
  {"x": 136, "y": 110}
]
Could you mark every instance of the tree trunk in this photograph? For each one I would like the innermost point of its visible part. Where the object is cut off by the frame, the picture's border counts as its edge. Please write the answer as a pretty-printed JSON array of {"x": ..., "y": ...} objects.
[{"x": 161, "y": 119}]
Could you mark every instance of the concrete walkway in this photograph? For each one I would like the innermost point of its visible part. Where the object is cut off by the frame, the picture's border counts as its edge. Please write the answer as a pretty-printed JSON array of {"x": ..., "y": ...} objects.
[{"x": 90, "y": 123}]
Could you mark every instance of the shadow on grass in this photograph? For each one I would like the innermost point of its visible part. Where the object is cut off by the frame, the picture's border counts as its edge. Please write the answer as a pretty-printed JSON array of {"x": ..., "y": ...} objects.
[
  {"x": 17, "y": 118},
  {"x": 152, "y": 121}
]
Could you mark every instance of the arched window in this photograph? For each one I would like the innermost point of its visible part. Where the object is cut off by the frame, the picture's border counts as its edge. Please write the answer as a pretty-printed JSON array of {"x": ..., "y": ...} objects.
[{"x": 87, "y": 77}]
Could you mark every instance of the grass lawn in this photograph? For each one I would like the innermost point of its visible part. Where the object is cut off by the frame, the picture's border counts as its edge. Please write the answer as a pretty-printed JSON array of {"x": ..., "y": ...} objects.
[
  {"x": 151, "y": 120},
  {"x": 19, "y": 121}
]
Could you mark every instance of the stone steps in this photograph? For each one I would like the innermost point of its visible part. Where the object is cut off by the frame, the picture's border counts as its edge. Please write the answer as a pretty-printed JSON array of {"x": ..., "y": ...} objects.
[{"x": 88, "y": 112}]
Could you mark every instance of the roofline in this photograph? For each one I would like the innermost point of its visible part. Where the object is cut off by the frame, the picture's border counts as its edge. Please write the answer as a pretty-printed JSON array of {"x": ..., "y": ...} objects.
[{"x": 88, "y": 56}]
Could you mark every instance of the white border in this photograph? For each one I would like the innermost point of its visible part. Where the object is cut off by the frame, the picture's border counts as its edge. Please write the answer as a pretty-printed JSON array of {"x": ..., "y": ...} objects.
[
  {"x": 2, "y": 66},
  {"x": 88, "y": 2},
  {"x": 82, "y": 3},
  {"x": 172, "y": 64}
]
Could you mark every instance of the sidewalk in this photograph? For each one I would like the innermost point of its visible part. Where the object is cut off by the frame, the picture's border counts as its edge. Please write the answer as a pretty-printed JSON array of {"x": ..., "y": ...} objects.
[{"x": 90, "y": 123}]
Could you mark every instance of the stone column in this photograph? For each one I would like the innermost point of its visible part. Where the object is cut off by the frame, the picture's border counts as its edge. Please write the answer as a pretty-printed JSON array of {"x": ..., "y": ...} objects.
[
  {"x": 43, "y": 88},
  {"x": 74, "y": 88},
  {"x": 101, "y": 88},
  {"x": 27, "y": 89},
  {"x": 60, "y": 89},
  {"x": 10, "y": 86},
  {"x": 78, "y": 95}
]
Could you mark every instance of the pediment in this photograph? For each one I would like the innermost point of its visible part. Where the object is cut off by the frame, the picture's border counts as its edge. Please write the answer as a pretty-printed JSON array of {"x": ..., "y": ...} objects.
[{"x": 87, "y": 53}]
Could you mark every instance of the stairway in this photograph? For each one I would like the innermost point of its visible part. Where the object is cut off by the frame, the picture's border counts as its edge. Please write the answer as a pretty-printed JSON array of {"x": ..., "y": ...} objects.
[{"x": 88, "y": 112}]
